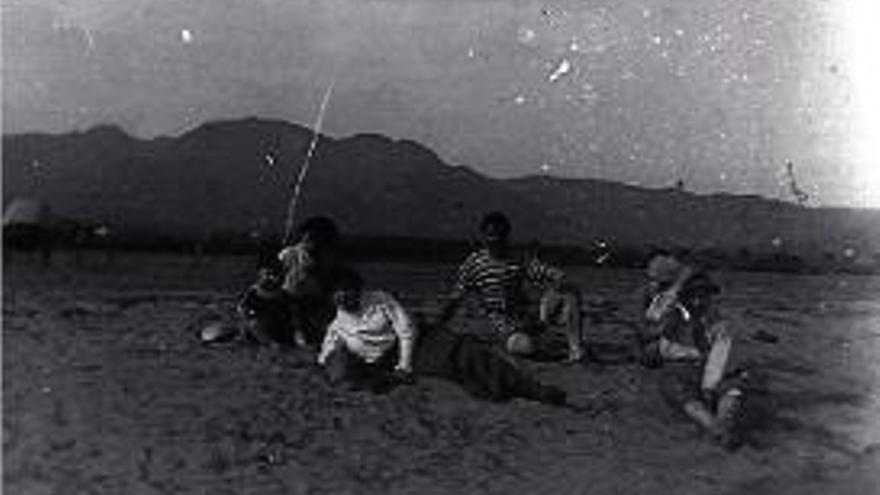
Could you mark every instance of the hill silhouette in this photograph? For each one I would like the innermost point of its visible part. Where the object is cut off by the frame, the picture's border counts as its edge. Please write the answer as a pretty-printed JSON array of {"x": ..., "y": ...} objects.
[{"x": 234, "y": 177}]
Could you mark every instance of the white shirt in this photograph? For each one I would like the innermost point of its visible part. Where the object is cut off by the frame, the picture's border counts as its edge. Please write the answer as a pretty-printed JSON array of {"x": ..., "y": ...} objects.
[{"x": 370, "y": 331}]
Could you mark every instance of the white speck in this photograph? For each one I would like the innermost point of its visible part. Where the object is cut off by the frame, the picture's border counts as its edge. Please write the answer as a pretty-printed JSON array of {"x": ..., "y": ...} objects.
[
  {"x": 574, "y": 46},
  {"x": 270, "y": 160},
  {"x": 471, "y": 53},
  {"x": 656, "y": 39},
  {"x": 90, "y": 41},
  {"x": 562, "y": 69},
  {"x": 646, "y": 13},
  {"x": 186, "y": 36},
  {"x": 849, "y": 252},
  {"x": 46, "y": 389},
  {"x": 777, "y": 242},
  {"x": 722, "y": 176},
  {"x": 519, "y": 100},
  {"x": 679, "y": 32},
  {"x": 545, "y": 167},
  {"x": 36, "y": 164},
  {"x": 526, "y": 35}
]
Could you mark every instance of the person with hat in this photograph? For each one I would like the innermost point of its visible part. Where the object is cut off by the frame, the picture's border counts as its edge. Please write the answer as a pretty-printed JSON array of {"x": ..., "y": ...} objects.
[
  {"x": 690, "y": 342},
  {"x": 500, "y": 277}
]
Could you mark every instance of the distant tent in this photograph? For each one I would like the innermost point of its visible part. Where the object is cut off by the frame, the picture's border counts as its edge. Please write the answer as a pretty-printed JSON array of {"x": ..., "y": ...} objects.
[
  {"x": 25, "y": 211},
  {"x": 26, "y": 225}
]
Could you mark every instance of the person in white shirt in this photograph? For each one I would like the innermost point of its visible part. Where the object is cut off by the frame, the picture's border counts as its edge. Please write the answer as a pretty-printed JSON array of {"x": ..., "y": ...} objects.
[
  {"x": 370, "y": 336},
  {"x": 373, "y": 343}
]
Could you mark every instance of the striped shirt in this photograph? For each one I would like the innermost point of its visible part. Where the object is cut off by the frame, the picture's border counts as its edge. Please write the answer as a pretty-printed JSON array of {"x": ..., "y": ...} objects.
[{"x": 501, "y": 286}]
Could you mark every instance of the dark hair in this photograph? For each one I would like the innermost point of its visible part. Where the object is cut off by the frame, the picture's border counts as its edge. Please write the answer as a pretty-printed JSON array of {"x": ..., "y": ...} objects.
[
  {"x": 322, "y": 229},
  {"x": 271, "y": 263},
  {"x": 346, "y": 278},
  {"x": 496, "y": 218},
  {"x": 699, "y": 283}
]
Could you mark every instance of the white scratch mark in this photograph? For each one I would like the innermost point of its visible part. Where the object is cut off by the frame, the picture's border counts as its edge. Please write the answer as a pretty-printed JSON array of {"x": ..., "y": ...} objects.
[
  {"x": 562, "y": 69},
  {"x": 90, "y": 40}
]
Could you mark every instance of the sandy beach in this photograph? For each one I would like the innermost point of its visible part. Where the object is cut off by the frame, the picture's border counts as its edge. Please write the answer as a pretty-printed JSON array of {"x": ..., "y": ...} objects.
[{"x": 106, "y": 389}]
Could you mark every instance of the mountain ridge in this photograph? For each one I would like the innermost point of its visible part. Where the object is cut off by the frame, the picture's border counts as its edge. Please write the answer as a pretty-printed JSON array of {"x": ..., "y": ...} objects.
[{"x": 235, "y": 176}]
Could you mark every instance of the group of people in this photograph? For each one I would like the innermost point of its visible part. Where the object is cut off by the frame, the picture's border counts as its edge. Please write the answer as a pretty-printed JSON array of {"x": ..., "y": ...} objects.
[{"x": 366, "y": 339}]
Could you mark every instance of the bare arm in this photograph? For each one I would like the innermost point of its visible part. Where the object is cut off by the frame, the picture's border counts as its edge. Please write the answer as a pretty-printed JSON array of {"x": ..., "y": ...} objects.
[{"x": 406, "y": 334}]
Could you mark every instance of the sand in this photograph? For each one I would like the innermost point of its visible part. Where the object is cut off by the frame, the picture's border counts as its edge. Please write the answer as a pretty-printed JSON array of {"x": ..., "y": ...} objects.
[{"x": 107, "y": 390}]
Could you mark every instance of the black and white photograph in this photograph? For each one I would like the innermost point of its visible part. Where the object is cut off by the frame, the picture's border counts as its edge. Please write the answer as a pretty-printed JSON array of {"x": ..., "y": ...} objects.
[{"x": 430, "y": 247}]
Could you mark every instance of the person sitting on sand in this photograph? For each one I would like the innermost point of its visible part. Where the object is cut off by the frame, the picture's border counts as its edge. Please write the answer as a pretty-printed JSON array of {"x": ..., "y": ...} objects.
[
  {"x": 308, "y": 265},
  {"x": 500, "y": 278},
  {"x": 266, "y": 308},
  {"x": 371, "y": 335},
  {"x": 373, "y": 343},
  {"x": 691, "y": 342}
]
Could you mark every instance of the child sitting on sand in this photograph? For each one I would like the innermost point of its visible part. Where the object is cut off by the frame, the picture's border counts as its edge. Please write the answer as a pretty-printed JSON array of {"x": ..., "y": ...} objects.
[
  {"x": 308, "y": 265},
  {"x": 266, "y": 308},
  {"x": 686, "y": 335},
  {"x": 500, "y": 278},
  {"x": 373, "y": 342}
]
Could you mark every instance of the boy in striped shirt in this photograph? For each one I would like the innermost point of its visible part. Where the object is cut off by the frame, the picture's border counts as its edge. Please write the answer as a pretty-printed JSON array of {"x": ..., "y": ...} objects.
[{"x": 500, "y": 279}]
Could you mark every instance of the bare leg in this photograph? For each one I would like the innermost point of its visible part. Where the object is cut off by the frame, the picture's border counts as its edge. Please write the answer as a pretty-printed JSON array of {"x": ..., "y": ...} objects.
[
  {"x": 520, "y": 344},
  {"x": 728, "y": 417},
  {"x": 573, "y": 326},
  {"x": 564, "y": 308},
  {"x": 701, "y": 414}
]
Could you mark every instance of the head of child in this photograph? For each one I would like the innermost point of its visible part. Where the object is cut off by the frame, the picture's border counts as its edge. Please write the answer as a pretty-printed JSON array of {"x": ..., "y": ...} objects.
[
  {"x": 318, "y": 233},
  {"x": 270, "y": 275},
  {"x": 698, "y": 293},
  {"x": 495, "y": 228},
  {"x": 662, "y": 269},
  {"x": 347, "y": 287}
]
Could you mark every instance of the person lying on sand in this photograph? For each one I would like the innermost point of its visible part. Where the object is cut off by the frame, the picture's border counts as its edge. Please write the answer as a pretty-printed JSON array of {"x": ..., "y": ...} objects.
[
  {"x": 266, "y": 308},
  {"x": 692, "y": 343},
  {"x": 308, "y": 266},
  {"x": 500, "y": 277},
  {"x": 373, "y": 343}
]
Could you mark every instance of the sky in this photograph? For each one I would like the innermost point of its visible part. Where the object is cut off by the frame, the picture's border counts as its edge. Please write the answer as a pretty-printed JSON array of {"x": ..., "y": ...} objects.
[{"x": 720, "y": 95}]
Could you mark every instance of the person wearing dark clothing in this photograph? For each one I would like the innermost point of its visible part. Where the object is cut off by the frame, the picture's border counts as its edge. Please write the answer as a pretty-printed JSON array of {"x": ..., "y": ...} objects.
[
  {"x": 267, "y": 309},
  {"x": 308, "y": 266},
  {"x": 478, "y": 367}
]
